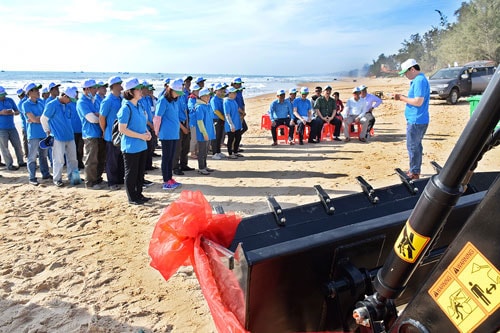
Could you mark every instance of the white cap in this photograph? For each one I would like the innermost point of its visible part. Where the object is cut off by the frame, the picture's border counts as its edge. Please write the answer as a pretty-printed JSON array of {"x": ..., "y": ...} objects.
[
  {"x": 204, "y": 92},
  {"x": 280, "y": 92},
  {"x": 90, "y": 83},
  {"x": 132, "y": 83},
  {"x": 292, "y": 91},
  {"x": 304, "y": 90},
  {"x": 177, "y": 86},
  {"x": 70, "y": 92},
  {"x": 114, "y": 80},
  {"x": 30, "y": 86},
  {"x": 405, "y": 66}
]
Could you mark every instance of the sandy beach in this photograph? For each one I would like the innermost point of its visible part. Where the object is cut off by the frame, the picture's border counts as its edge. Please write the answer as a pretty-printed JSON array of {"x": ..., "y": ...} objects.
[{"x": 76, "y": 260}]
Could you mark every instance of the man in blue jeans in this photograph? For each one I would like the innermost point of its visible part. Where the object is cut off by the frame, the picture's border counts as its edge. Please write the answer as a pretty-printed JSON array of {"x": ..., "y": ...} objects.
[{"x": 416, "y": 113}]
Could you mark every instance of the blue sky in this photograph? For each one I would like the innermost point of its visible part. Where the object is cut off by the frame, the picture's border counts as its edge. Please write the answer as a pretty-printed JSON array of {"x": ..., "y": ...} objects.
[{"x": 233, "y": 37}]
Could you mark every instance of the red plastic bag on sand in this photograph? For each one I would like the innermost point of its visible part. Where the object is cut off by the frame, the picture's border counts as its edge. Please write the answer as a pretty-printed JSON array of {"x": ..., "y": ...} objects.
[{"x": 176, "y": 242}]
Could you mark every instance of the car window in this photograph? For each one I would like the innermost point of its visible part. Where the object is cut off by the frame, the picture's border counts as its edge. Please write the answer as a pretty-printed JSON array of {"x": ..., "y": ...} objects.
[
  {"x": 446, "y": 73},
  {"x": 480, "y": 71}
]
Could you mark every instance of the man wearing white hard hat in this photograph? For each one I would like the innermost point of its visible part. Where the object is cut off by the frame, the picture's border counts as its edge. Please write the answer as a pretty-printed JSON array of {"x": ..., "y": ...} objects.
[
  {"x": 416, "y": 113},
  {"x": 56, "y": 122}
]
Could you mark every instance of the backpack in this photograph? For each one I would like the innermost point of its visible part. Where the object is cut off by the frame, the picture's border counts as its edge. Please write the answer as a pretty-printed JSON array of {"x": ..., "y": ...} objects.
[{"x": 116, "y": 135}]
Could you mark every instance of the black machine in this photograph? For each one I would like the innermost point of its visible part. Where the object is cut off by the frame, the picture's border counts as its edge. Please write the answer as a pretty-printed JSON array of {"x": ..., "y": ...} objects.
[{"x": 348, "y": 263}]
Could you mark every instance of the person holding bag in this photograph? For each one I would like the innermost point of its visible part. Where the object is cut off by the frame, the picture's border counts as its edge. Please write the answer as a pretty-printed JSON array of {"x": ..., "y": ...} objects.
[{"x": 132, "y": 120}]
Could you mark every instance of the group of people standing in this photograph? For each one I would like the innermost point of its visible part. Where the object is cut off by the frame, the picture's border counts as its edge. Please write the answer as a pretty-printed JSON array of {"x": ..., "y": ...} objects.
[
  {"x": 75, "y": 128},
  {"x": 322, "y": 109}
]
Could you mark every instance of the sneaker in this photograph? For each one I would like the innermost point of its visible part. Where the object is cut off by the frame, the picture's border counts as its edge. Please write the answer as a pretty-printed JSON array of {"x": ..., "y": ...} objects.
[
  {"x": 12, "y": 168},
  {"x": 34, "y": 182},
  {"x": 222, "y": 155},
  {"x": 94, "y": 187},
  {"x": 186, "y": 168},
  {"x": 291, "y": 143},
  {"x": 23, "y": 164},
  {"x": 59, "y": 183},
  {"x": 47, "y": 177},
  {"x": 114, "y": 187},
  {"x": 144, "y": 199},
  {"x": 171, "y": 185},
  {"x": 233, "y": 157},
  {"x": 347, "y": 139},
  {"x": 337, "y": 138},
  {"x": 147, "y": 183},
  {"x": 241, "y": 150},
  {"x": 209, "y": 170},
  {"x": 216, "y": 157},
  {"x": 239, "y": 155},
  {"x": 136, "y": 202},
  {"x": 274, "y": 143},
  {"x": 203, "y": 172}
]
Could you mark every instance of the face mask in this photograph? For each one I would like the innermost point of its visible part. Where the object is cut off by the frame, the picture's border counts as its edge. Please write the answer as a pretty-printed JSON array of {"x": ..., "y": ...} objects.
[{"x": 89, "y": 95}]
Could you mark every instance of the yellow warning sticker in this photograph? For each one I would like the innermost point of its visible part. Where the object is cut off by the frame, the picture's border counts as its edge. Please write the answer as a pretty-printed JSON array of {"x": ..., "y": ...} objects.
[
  {"x": 468, "y": 290},
  {"x": 410, "y": 244}
]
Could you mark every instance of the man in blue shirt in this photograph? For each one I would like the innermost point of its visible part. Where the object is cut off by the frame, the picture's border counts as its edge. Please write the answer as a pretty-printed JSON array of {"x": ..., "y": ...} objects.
[
  {"x": 33, "y": 110},
  {"x": 56, "y": 121},
  {"x": 237, "y": 83},
  {"x": 218, "y": 109},
  {"x": 182, "y": 145},
  {"x": 115, "y": 170},
  {"x": 94, "y": 146},
  {"x": 281, "y": 113},
  {"x": 8, "y": 131},
  {"x": 302, "y": 110},
  {"x": 416, "y": 113},
  {"x": 22, "y": 98}
]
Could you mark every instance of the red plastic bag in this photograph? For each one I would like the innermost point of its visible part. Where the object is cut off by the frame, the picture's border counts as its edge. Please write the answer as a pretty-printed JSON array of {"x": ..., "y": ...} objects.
[{"x": 176, "y": 242}]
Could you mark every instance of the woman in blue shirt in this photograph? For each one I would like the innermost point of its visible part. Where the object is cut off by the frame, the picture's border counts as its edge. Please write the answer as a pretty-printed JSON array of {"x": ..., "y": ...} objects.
[
  {"x": 233, "y": 123},
  {"x": 167, "y": 127},
  {"x": 132, "y": 124}
]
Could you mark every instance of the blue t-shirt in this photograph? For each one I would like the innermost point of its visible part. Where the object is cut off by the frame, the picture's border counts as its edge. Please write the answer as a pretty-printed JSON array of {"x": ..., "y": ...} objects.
[
  {"x": 76, "y": 122},
  {"x": 109, "y": 108},
  {"x": 217, "y": 104},
  {"x": 231, "y": 111},
  {"x": 98, "y": 100},
  {"x": 303, "y": 107},
  {"x": 169, "y": 113},
  {"x": 279, "y": 110},
  {"x": 204, "y": 113},
  {"x": 239, "y": 99},
  {"x": 419, "y": 87},
  {"x": 34, "y": 130},
  {"x": 147, "y": 104},
  {"x": 135, "y": 117},
  {"x": 85, "y": 106},
  {"x": 59, "y": 120},
  {"x": 192, "y": 100},
  {"x": 182, "y": 108},
  {"x": 7, "y": 121},
  {"x": 21, "y": 111}
]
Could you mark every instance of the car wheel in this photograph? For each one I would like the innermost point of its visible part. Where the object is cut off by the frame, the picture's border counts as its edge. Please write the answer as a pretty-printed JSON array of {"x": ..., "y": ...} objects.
[{"x": 454, "y": 95}]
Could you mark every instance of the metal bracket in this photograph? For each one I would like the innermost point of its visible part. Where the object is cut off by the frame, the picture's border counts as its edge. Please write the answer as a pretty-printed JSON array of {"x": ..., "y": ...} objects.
[
  {"x": 368, "y": 190},
  {"x": 436, "y": 166},
  {"x": 407, "y": 181},
  {"x": 276, "y": 210},
  {"x": 325, "y": 199},
  {"x": 218, "y": 209}
]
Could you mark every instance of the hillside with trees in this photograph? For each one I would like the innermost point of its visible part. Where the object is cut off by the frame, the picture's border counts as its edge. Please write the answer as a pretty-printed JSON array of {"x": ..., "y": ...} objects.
[{"x": 474, "y": 36}]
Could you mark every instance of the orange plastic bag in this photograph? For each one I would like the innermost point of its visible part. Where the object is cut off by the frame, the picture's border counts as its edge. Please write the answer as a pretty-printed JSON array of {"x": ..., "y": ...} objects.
[{"x": 176, "y": 242}]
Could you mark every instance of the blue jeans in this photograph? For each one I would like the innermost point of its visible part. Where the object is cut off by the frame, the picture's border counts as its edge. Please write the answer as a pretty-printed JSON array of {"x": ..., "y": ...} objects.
[
  {"x": 11, "y": 135},
  {"x": 34, "y": 150},
  {"x": 414, "y": 135}
]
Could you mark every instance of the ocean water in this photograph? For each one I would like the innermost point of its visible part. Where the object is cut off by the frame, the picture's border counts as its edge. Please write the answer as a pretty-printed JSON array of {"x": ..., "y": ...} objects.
[{"x": 254, "y": 84}]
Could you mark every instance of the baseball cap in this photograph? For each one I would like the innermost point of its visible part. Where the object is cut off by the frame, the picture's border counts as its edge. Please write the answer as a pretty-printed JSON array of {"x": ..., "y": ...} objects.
[
  {"x": 31, "y": 86},
  {"x": 204, "y": 92},
  {"x": 231, "y": 90},
  {"x": 133, "y": 83},
  {"x": 199, "y": 79},
  {"x": 45, "y": 90},
  {"x": 280, "y": 92},
  {"x": 101, "y": 84},
  {"x": 362, "y": 87},
  {"x": 20, "y": 91},
  {"x": 71, "y": 93},
  {"x": 356, "y": 90},
  {"x": 114, "y": 80},
  {"x": 237, "y": 80},
  {"x": 292, "y": 91},
  {"x": 405, "y": 66},
  {"x": 219, "y": 86},
  {"x": 177, "y": 86},
  {"x": 327, "y": 87},
  {"x": 195, "y": 87},
  {"x": 47, "y": 142},
  {"x": 187, "y": 78},
  {"x": 166, "y": 81},
  {"x": 90, "y": 83},
  {"x": 2, "y": 91},
  {"x": 304, "y": 90},
  {"x": 53, "y": 85}
]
